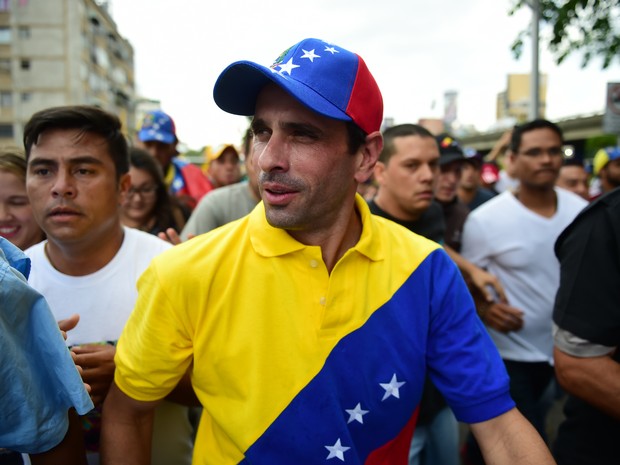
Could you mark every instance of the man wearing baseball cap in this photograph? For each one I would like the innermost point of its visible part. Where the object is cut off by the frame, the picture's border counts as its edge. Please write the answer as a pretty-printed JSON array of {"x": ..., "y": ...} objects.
[
  {"x": 185, "y": 181},
  {"x": 309, "y": 324},
  {"x": 606, "y": 165}
]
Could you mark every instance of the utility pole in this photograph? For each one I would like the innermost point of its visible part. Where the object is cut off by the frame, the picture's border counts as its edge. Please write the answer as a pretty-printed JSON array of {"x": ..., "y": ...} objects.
[{"x": 534, "y": 74}]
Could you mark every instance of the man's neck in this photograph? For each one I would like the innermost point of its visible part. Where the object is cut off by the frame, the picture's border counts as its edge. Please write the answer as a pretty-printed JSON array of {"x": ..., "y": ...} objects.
[
  {"x": 335, "y": 240},
  {"x": 84, "y": 257},
  {"x": 466, "y": 195},
  {"x": 542, "y": 201},
  {"x": 395, "y": 212}
]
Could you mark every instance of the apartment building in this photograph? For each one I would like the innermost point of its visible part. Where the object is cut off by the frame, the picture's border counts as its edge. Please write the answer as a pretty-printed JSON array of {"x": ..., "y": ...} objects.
[{"x": 61, "y": 52}]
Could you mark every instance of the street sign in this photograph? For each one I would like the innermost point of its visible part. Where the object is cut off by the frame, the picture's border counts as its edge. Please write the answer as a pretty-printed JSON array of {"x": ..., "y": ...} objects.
[{"x": 611, "y": 120}]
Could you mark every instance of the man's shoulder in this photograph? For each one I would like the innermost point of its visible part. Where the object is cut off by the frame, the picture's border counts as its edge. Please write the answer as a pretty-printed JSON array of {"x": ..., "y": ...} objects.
[
  {"x": 490, "y": 208},
  {"x": 225, "y": 193},
  {"x": 36, "y": 251},
  {"x": 570, "y": 199},
  {"x": 142, "y": 243}
]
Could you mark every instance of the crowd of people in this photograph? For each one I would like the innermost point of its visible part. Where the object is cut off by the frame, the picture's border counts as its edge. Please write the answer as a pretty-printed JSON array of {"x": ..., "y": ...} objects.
[{"x": 325, "y": 292}]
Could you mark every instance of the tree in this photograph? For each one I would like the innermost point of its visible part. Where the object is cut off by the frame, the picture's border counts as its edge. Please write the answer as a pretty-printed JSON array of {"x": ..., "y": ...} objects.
[{"x": 591, "y": 27}]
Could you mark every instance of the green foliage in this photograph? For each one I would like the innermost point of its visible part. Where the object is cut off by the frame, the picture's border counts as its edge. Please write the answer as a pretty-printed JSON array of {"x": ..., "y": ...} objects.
[
  {"x": 591, "y": 27},
  {"x": 594, "y": 144}
]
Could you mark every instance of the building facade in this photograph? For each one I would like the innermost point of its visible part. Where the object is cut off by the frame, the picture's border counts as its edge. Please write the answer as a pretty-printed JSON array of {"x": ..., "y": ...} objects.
[{"x": 61, "y": 52}]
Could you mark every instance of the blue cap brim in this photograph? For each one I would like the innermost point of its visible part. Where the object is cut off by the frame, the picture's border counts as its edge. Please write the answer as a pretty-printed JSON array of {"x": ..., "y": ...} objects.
[
  {"x": 147, "y": 135},
  {"x": 238, "y": 86}
]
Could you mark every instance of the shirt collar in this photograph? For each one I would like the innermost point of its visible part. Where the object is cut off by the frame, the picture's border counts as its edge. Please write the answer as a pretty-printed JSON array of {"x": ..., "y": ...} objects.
[{"x": 272, "y": 242}]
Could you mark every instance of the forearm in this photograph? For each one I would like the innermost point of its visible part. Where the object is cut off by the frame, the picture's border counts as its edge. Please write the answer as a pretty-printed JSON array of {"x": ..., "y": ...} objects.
[
  {"x": 126, "y": 430},
  {"x": 71, "y": 451},
  {"x": 596, "y": 380},
  {"x": 511, "y": 440}
]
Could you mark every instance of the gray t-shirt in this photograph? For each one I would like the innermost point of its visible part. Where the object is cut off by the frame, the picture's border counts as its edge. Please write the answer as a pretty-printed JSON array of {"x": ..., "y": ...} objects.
[{"x": 219, "y": 207}]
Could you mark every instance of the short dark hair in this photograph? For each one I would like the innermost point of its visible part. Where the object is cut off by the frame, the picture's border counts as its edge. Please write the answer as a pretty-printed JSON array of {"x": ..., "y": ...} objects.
[
  {"x": 356, "y": 137},
  {"x": 519, "y": 130},
  {"x": 86, "y": 119},
  {"x": 400, "y": 130}
]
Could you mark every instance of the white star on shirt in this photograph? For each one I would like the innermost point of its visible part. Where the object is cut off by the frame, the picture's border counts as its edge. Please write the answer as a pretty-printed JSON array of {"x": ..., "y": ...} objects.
[
  {"x": 310, "y": 55},
  {"x": 391, "y": 388},
  {"x": 288, "y": 67},
  {"x": 337, "y": 450},
  {"x": 331, "y": 50},
  {"x": 356, "y": 414}
]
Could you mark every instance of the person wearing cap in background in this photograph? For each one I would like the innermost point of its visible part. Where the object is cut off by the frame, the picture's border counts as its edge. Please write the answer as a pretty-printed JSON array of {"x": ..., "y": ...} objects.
[
  {"x": 574, "y": 177},
  {"x": 222, "y": 165},
  {"x": 606, "y": 165},
  {"x": 451, "y": 161},
  {"x": 228, "y": 203},
  {"x": 186, "y": 181},
  {"x": 470, "y": 190},
  {"x": 309, "y": 324}
]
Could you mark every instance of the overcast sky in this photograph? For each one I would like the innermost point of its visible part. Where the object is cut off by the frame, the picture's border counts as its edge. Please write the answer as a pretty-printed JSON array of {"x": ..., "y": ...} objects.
[{"x": 416, "y": 49}]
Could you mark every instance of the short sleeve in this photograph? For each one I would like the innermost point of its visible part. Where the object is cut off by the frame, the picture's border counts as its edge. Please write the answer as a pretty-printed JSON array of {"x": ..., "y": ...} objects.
[
  {"x": 464, "y": 364},
  {"x": 588, "y": 300},
  {"x": 155, "y": 348}
]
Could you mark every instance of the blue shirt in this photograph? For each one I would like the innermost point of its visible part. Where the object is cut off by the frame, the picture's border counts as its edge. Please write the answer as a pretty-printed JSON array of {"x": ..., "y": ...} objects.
[{"x": 39, "y": 379}]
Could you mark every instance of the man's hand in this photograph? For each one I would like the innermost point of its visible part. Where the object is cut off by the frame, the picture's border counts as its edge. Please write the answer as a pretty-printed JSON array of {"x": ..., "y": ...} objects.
[
  {"x": 483, "y": 280},
  {"x": 97, "y": 363},
  {"x": 68, "y": 324},
  {"x": 502, "y": 317},
  {"x": 170, "y": 235}
]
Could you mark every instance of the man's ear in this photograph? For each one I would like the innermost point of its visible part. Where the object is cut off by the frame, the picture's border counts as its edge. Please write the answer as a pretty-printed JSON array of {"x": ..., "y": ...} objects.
[
  {"x": 124, "y": 183},
  {"x": 368, "y": 156}
]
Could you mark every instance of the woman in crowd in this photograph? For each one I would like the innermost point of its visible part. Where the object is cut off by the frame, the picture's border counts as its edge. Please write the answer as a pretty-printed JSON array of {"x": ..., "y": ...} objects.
[
  {"x": 148, "y": 206},
  {"x": 17, "y": 223}
]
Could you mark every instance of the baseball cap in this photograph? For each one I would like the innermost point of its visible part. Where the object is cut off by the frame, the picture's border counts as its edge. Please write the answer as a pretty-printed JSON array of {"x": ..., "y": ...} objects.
[
  {"x": 489, "y": 173},
  {"x": 158, "y": 126},
  {"x": 472, "y": 156},
  {"x": 213, "y": 153},
  {"x": 326, "y": 78},
  {"x": 604, "y": 156},
  {"x": 449, "y": 150}
]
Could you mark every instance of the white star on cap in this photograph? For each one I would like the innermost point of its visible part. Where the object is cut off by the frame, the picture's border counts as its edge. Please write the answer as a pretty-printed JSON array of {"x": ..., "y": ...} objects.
[
  {"x": 288, "y": 67},
  {"x": 331, "y": 50},
  {"x": 356, "y": 414},
  {"x": 337, "y": 451},
  {"x": 310, "y": 55},
  {"x": 391, "y": 388}
]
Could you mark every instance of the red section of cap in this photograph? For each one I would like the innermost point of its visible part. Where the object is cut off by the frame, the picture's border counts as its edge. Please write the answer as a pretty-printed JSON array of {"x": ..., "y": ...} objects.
[
  {"x": 397, "y": 450},
  {"x": 365, "y": 103}
]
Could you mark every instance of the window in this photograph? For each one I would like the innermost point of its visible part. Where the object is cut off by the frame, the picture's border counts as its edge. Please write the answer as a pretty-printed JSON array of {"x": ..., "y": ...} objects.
[
  {"x": 23, "y": 32},
  {"x": 26, "y": 97},
  {"x": 6, "y": 99},
  {"x": 5, "y": 35},
  {"x": 6, "y": 130},
  {"x": 5, "y": 66},
  {"x": 25, "y": 64}
]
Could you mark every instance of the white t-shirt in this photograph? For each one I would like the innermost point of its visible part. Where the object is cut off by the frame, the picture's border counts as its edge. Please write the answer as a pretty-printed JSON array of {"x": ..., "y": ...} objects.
[
  {"x": 516, "y": 245},
  {"x": 104, "y": 299}
]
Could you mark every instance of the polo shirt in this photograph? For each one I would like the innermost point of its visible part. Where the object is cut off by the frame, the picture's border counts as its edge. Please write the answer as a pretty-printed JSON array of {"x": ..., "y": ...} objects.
[{"x": 293, "y": 364}]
